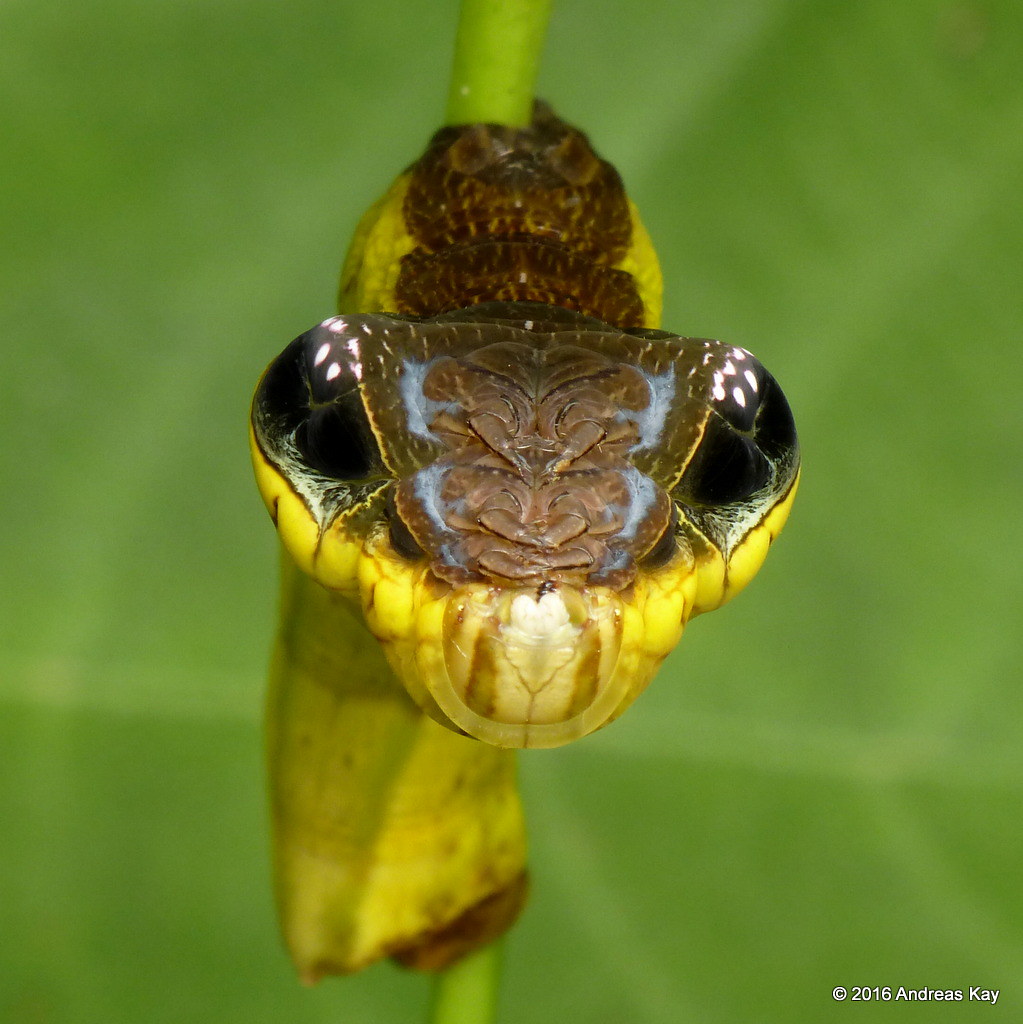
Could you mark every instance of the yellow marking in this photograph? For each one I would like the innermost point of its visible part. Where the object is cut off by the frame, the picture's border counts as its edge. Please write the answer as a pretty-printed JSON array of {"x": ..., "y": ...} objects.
[
  {"x": 748, "y": 557},
  {"x": 370, "y": 273},
  {"x": 337, "y": 561},
  {"x": 642, "y": 263},
  {"x": 710, "y": 581},
  {"x": 396, "y": 611},
  {"x": 536, "y": 703},
  {"x": 332, "y": 558},
  {"x": 295, "y": 524},
  {"x": 668, "y": 604}
]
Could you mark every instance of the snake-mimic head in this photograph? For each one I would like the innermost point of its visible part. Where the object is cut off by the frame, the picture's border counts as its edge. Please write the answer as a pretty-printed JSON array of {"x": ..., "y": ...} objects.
[{"x": 528, "y": 503}]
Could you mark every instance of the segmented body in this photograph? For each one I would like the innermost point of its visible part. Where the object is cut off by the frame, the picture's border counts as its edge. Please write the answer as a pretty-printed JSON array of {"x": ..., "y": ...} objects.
[{"x": 523, "y": 490}]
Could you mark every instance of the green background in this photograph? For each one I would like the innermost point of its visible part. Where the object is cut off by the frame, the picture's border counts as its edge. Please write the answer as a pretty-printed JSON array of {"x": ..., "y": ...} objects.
[{"x": 823, "y": 786}]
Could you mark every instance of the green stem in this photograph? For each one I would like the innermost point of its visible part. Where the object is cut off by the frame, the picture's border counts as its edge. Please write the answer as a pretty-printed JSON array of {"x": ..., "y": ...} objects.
[
  {"x": 493, "y": 79},
  {"x": 497, "y": 57},
  {"x": 466, "y": 993}
]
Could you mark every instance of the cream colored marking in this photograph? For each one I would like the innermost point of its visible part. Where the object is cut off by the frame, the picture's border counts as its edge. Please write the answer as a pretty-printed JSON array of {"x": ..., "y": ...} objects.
[
  {"x": 540, "y": 620},
  {"x": 356, "y": 353}
]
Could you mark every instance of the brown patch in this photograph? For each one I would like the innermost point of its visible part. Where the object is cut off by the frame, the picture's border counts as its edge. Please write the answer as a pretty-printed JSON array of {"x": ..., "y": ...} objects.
[
  {"x": 536, "y": 480},
  {"x": 516, "y": 270},
  {"x": 517, "y": 214},
  {"x": 478, "y": 926}
]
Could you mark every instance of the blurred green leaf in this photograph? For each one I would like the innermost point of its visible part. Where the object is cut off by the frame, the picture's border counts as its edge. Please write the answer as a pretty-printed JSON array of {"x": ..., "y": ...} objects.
[{"x": 823, "y": 786}]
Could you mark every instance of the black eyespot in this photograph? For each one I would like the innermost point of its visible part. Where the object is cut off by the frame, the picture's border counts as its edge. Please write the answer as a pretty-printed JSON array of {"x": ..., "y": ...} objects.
[
  {"x": 775, "y": 425},
  {"x": 749, "y": 436},
  {"x": 309, "y": 400},
  {"x": 282, "y": 398},
  {"x": 727, "y": 467},
  {"x": 333, "y": 442}
]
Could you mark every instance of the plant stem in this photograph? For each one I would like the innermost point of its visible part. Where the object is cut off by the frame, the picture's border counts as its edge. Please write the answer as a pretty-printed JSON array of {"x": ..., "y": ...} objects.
[
  {"x": 466, "y": 993},
  {"x": 497, "y": 57},
  {"x": 493, "y": 78}
]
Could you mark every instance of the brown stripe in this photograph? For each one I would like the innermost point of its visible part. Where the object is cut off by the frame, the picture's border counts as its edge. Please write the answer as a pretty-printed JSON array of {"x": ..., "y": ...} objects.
[
  {"x": 528, "y": 214},
  {"x": 534, "y": 270},
  {"x": 480, "y": 924}
]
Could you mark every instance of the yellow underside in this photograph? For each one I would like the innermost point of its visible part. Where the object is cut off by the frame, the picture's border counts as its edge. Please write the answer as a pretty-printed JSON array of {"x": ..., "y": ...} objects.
[
  {"x": 427, "y": 630},
  {"x": 387, "y": 826}
]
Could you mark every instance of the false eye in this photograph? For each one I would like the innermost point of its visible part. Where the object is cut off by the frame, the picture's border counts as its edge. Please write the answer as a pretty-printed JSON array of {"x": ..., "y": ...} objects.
[
  {"x": 309, "y": 401},
  {"x": 726, "y": 468},
  {"x": 332, "y": 441},
  {"x": 775, "y": 425},
  {"x": 748, "y": 434}
]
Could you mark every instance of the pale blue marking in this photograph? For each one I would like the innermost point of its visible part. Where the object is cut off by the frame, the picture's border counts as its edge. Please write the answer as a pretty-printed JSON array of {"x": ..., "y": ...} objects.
[
  {"x": 419, "y": 410},
  {"x": 429, "y": 482},
  {"x": 642, "y": 496},
  {"x": 652, "y": 419}
]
